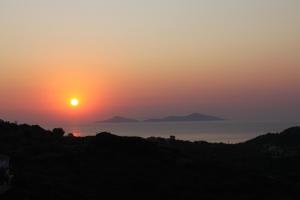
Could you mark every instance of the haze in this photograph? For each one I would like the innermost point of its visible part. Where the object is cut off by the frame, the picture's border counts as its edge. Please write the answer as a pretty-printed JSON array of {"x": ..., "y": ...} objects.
[{"x": 237, "y": 59}]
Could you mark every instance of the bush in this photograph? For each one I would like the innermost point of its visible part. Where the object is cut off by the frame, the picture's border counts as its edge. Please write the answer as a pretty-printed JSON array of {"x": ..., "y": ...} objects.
[{"x": 59, "y": 132}]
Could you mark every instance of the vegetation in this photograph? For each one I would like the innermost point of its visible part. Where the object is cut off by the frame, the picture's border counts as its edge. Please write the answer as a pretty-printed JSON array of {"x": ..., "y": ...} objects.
[{"x": 47, "y": 165}]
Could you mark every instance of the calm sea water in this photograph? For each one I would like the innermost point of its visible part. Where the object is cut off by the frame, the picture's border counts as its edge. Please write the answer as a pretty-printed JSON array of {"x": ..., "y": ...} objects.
[{"x": 219, "y": 131}]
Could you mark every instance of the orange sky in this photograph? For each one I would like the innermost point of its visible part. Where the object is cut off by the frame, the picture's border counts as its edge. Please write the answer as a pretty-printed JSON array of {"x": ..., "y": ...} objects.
[{"x": 237, "y": 59}]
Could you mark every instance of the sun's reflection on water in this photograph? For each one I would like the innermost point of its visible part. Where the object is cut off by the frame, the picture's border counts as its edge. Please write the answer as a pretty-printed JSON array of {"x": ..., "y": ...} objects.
[{"x": 76, "y": 132}]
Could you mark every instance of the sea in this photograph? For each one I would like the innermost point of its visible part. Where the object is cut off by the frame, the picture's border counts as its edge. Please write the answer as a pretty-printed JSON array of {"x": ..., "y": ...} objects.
[{"x": 227, "y": 131}]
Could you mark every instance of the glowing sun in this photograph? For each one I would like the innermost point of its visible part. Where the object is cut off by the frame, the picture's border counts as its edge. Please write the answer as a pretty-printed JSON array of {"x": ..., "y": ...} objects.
[{"x": 74, "y": 102}]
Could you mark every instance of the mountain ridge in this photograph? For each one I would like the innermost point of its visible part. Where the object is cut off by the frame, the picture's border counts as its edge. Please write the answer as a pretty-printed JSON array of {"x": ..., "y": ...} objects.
[
  {"x": 190, "y": 117},
  {"x": 172, "y": 118}
]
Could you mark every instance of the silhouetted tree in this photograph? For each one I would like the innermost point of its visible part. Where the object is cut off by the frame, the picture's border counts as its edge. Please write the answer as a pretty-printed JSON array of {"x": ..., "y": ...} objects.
[{"x": 58, "y": 132}]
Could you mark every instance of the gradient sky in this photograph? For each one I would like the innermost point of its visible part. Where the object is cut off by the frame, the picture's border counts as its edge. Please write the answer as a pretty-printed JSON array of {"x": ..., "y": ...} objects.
[{"x": 238, "y": 59}]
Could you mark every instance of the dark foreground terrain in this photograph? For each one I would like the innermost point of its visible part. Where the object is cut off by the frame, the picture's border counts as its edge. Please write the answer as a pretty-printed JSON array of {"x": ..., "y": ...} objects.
[{"x": 47, "y": 165}]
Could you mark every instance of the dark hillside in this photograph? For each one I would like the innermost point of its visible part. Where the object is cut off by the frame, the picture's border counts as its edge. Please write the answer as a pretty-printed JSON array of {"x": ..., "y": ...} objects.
[{"x": 47, "y": 165}]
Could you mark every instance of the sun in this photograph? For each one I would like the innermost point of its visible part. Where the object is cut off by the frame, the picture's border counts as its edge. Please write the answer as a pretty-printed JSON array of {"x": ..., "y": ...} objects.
[{"x": 74, "y": 102}]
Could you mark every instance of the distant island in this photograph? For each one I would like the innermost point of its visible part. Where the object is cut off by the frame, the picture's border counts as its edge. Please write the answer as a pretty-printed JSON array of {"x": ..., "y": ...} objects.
[
  {"x": 185, "y": 118},
  {"x": 191, "y": 117},
  {"x": 118, "y": 119}
]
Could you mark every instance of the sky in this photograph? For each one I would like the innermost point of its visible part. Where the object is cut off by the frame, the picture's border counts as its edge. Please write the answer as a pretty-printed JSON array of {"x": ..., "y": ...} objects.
[{"x": 237, "y": 59}]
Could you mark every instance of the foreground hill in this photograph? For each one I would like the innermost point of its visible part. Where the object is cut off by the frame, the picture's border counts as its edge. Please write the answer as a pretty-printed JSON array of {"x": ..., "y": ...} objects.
[
  {"x": 191, "y": 117},
  {"x": 47, "y": 165}
]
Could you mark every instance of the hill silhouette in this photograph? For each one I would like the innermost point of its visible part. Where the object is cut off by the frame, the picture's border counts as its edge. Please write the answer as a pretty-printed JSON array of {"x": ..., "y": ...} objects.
[
  {"x": 191, "y": 117},
  {"x": 289, "y": 137},
  {"x": 48, "y": 166}
]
